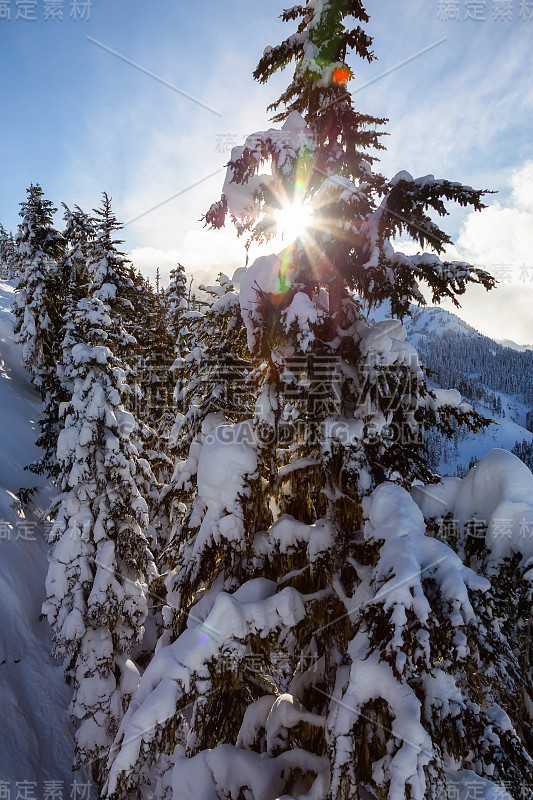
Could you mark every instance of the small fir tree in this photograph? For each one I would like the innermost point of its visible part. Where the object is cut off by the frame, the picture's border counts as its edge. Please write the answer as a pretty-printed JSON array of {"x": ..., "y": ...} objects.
[
  {"x": 38, "y": 306},
  {"x": 176, "y": 295}
]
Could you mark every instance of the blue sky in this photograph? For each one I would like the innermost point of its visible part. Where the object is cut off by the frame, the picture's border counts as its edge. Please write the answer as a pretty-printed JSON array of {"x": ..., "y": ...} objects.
[{"x": 79, "y": 120}]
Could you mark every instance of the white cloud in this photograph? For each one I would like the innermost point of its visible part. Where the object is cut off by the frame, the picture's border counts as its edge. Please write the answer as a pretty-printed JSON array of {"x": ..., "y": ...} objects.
[
  {"x": 500, "y": 239},
  {"x": 200, "y": 251},
  {"x": 503, "y": 234}
]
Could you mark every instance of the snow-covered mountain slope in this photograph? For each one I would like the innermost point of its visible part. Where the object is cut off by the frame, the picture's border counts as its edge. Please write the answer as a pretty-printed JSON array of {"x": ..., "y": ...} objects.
[
  {"x": 514, "y": 346},
  {"x": 496, "y": 379},
  {"x": 35, "y": 735}
]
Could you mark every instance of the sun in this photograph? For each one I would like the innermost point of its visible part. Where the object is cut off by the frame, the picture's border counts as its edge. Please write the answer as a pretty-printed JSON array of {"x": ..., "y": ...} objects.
[{"x": 292, "y": 220}]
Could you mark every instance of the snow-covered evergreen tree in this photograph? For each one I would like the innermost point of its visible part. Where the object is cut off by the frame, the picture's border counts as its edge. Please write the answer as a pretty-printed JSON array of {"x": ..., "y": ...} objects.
[
  {"x": 72, "y": 285},
  {"x": 100, "y": 564},
  {"x": 524, "y": 451},
  {"x": 79, "y": 235},
  {"x": 176, "y": 299},
  {"x": 9, "y": 261},
  {"x": 487, "y": 517},
  {"x": 111, "y": 267},
  {"x": 153, "y": 401},
  {"x": 38, "y": 310},
  {"x": 211, "y": 386},
  {"x": 3, "y": 252},
  {"x": 320, "y": 644},
  {"x": 156, "y": 355}
]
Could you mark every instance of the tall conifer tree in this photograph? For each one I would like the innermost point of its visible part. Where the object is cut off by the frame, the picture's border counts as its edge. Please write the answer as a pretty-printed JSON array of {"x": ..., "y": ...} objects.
[
  {"x": 320, "y": 644},
  {"x": 100, "y": 563},
  {"x": 39, "y": 309}
]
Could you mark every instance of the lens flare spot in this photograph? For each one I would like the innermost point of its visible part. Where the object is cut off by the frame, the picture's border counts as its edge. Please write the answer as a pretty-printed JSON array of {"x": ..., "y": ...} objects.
[
  {"x": 341, "y": 75},
  {"x": 206, "y": 629}
]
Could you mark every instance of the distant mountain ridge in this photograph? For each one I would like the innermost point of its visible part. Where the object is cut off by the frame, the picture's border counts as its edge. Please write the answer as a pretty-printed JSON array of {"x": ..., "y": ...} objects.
[
  {"x": 458, "y": 351},
  {"x": 496, "y": 379},
  {"x": 514, "y": 346}
]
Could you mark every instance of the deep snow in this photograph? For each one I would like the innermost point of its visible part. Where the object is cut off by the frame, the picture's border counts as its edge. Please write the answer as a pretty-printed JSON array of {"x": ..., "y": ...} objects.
[{"x": 36, "y": 736}]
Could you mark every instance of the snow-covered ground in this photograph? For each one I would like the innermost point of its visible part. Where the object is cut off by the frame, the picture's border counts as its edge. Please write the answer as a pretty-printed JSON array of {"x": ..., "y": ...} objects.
[{"x": 36, "y": 740}]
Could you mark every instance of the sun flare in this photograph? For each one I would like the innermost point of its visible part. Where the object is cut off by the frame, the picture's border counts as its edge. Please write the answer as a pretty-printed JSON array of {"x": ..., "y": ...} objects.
[{"x": 292, "y": 221}]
